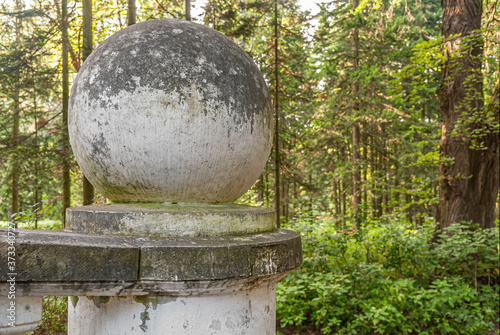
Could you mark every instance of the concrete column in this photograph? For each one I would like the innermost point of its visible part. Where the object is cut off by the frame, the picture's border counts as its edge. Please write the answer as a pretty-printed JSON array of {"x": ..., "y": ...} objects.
[
  {"x": 172, "y": 121},
  {"x": 244, "y": 311},
  {"x": 22, "y": 312},
  {"x": 217, "y": 277}
]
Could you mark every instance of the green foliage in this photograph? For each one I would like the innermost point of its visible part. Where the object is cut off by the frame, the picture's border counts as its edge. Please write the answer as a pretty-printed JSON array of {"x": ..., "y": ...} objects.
[
  {"x": 29, "y": 219},
  {"x": 479, "y": 110},
  {"x": 467, "y": 249},
  {"x": 390, "y": 279},
  {"x": 29, "y": 76},
  {"x": 54, "y": 317}
]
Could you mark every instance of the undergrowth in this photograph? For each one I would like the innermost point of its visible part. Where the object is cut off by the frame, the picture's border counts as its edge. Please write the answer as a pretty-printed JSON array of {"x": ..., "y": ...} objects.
[
  {"x": 54, "y": 317},
  {"x": 389, "y": 278}
]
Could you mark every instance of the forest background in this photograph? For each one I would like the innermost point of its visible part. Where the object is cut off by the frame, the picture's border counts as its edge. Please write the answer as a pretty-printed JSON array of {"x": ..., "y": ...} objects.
[{"x": 390, "y": 176}]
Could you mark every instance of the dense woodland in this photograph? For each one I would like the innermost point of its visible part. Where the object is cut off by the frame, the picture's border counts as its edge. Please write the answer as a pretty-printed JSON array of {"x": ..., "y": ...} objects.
[{"x": 386, "y": 152}]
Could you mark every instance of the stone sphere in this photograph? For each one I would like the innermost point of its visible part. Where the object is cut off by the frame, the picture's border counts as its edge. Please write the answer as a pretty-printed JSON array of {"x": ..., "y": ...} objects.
[{"x": 170, "y": 111}]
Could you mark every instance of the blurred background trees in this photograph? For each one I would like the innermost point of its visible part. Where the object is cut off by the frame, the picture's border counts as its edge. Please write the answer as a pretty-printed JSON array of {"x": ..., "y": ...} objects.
[
  {"x": 354, "y": 84},
  {"x": 355, "y": 81}
]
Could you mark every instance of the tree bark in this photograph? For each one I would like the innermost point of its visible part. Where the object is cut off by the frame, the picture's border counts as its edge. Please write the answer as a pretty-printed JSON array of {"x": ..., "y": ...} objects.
[
  {"x": 285, "y": 199},
  {"x": 386, "y": 176},
  {"x": 378, "y": 192},
  {"x": 310, "y": 203},
  {"x": 14, "y": 203},
  {"x": 344, "y": 199},
  {"x": 373, "y": 173},
  {"x": 188, "y": 10},
  {"x": 468, "y": 186},
  {"x": 336, "y": 199},
  {"x": 260, "y": 188},
  {"x": 365, "y": 177},
  {"x": 38, "y": 205},
  {"x": 356, "y": 176},
  {"x": 65, "y": 100},
  {"x": 88, "y": 188},
  {"x": 15, "y": 161},
  {"x": 409, "y": 210},
  {"x": 131, "y": 12},
  {"x": 276, "y": 120},
  {"x": 396, "y": 178}
]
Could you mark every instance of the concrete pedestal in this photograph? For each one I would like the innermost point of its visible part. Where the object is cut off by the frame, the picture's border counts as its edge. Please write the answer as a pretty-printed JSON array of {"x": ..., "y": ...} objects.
[
  {"x": 249, "y": 311},
  {"x": 216, "y": 279},
  {"x": 203, "y": 269},
  {"x": 20, "y": 315}
]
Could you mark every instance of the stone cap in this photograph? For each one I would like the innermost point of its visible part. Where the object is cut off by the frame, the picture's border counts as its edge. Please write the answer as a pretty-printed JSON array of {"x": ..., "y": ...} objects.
[
  {"x": 79, "y": 264},
  {"x": 170, "y": 220}
]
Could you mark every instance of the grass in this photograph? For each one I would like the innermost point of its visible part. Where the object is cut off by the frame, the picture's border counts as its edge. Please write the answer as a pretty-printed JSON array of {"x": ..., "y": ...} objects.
[{"x": 42, "y": 225}]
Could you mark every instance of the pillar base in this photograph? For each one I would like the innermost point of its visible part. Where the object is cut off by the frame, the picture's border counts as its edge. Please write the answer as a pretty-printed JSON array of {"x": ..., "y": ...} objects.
[
  {"x": 20, "y": 315},
  {"x": 198, "y": 270},
  {"x": 243, "y": 310}
]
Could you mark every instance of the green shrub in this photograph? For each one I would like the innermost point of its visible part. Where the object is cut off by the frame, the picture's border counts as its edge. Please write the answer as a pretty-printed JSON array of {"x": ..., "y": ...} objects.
[
  {"x": 389, "y": 279},
  {"x": 54, "y": 317}
]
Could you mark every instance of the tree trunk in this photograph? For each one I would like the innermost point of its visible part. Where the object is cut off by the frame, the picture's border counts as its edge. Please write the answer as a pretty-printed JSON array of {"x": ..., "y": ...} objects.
[
  {"x": 266, "y": 186},
  {"x": 409, "y": 210},
  {"x": 15, "y": 158},
  {"x": 88, "y": 189},
  {"x": 65, "y": 100},
  {"x": 365, "y": 177},
  {"x": 131, "y": 16},
  {"x": 356, "y": 176},
  {"x": 381, "y": 189},
  {"x": 338, "y": 187},
  {"x": 396, "y": 178},
  {"x": 468, "y": 186},
  {"x": 344, "y": 200},
  {"x": 285, "y": 199},
  {"x": 14, "y": 203},
  {"x": 336, "y": 199},
  {"x": 276, "y": 120},
  {"x": 260, "y": 188},
  {"x": 188, "y": 10},
  {"x": 296, "y": 196},
  {"x": 378, "y": 193},
  {"x": 373, "y": 173},
  {"x": 311, "y": 216},
  {"x": 386, "y": 170},
  {"x": 38, "y": 205}
]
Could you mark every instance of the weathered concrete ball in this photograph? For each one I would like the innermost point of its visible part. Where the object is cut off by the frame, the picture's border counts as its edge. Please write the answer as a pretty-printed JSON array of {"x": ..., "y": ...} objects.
[{"x": 170, "y": 111}]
